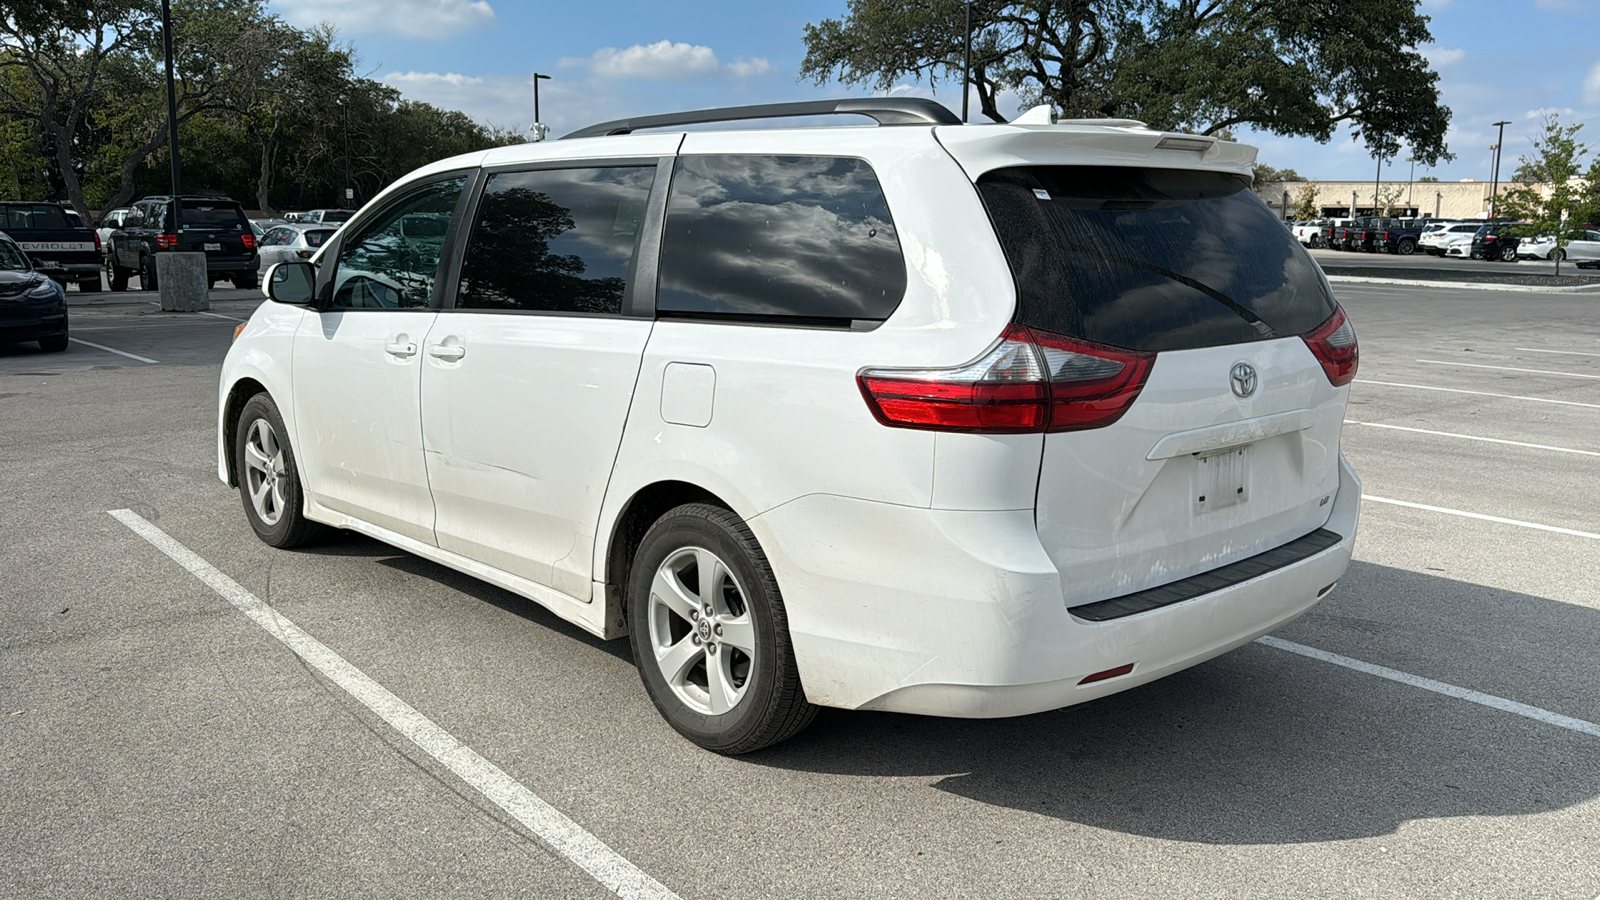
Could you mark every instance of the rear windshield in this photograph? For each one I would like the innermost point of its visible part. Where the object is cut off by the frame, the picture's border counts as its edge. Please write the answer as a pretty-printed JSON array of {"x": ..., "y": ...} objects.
[
  {"x": 316, "y": 238},
  {"x": 200, "y": 215},
  {"x": 337, "y": 215},
  {"x": 41, "y": 216},
  {"x": 1151, "y": 259}
]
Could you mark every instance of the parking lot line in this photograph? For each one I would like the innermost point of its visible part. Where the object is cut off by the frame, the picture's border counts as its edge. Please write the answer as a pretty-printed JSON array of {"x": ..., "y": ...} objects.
[
  {"x": 1429, "y": 387},
  {"x": 142, "y": 359},
  {"x": 1438, "y": 687},
  {"x": 1442, "y": 362},
  {"x": 1473, "y": 437},
  {"x": 1472, "y": 515},
  {"x": 221, "y": 316},
  {"x": 1564, "y": 352},
  {"x": 549, "y": 824}
]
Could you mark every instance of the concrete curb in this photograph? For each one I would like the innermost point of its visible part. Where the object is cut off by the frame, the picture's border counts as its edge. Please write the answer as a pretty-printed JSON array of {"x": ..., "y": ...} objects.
[{"x": 1467, "y": 285}]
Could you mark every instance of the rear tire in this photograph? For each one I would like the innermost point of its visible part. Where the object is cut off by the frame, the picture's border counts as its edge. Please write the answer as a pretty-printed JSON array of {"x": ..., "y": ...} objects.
[
  {"x": 269, "y": 478},
  {"x": 1508, "y": 254},
  {"x": 1557, "y": 255},
  {"x": 715, "y": 658},
  {"x": 89, "y": 286},
  {"x": 1406, "y": 247},
  {"x": 147, "y": 273},
  {"x": 245, "y": 281},
  {"x": 116, "y": 275}
]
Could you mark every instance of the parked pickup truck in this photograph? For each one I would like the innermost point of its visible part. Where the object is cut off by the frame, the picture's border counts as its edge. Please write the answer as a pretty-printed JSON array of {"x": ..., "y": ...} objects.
[
  {"x": 1310, "y": 233},
  {"x": 1362, "y": 233},
  {"x": 55, "y": 246},
  {"x": 1401, "y": 240}
]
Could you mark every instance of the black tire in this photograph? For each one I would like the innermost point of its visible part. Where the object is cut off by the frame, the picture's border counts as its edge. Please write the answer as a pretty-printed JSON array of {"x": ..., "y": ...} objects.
[
  {"x": 1406, "y": 247},
  {"x": 116, "y": 275},
  {"x": 773, "y": 707},
  {"x": 291, "y": 528},
  {"x": 245, "y": 281},
  {"x": 57, "y": 343},
  {"x": 147, "y": 273},
  {"x": 1508, "y": 254},
  {"x": 89, "y": 286},
  {"x": 1316, "y": 242},
  {"x": 1557, "y": 255}
]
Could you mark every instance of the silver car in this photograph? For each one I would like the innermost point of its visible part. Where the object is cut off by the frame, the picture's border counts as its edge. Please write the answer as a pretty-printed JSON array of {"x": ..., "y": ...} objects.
[{"x": 292, "y": 242}]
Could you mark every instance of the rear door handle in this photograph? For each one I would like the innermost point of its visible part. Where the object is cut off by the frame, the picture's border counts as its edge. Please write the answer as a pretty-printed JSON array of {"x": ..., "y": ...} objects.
[
  {"x": 400, "y": 349},
  {"x": 448, "y": 352}
]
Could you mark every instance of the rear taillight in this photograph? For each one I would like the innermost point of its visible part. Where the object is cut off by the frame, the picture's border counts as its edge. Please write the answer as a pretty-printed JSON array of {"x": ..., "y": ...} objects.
[
  {"x": 249, "y": 240},
  {"x": 305, "y": 254},
  {"x": 166, "y": 241},
  {"x": 1333, "y": 343},
  {"x": 96, "y": 241},
  {"x": 1029, "y": 381}
]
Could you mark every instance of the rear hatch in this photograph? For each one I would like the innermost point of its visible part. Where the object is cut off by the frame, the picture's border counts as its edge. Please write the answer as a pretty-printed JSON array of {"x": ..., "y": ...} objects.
[
  {"x": 52, "y": 242},
  {"x": 217, "y": 228},
  {"x": 1231, "y": 448}
]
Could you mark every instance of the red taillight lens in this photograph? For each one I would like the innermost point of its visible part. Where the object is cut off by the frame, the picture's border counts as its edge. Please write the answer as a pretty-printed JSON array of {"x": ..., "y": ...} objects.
[
  {"x": 249, "y": 240},
  {"x": 304, "y": 254},
  {"x": 166, "y": 241},
  {"x": 1333, "y": 343},
  {"x": 1030, "y": 381},
  {"x": 97, "y": 241}
]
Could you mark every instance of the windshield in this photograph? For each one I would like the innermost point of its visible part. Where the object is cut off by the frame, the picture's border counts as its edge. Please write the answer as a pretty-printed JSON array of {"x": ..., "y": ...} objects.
[
  {"x": 1151, "y": 259},
  {"x": 11, "y": 258}
]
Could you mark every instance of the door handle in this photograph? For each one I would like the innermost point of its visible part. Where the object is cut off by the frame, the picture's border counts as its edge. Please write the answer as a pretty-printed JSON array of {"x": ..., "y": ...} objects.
[
  {"x": 400, "y": 349},
  {"x": 448, "y": 352}
]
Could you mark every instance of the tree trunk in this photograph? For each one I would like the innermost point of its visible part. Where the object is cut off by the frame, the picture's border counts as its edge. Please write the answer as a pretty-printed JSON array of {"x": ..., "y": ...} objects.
[
  {"x": 269, "y": 151},
  {"x": 69, "y": 176}
]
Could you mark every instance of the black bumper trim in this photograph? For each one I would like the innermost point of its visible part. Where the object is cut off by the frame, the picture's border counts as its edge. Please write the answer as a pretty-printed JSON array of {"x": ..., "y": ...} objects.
[{"x": 1206, "y": 582}]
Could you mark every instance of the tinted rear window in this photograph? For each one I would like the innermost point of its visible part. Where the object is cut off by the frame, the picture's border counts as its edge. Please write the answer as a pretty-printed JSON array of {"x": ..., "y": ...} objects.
[
  {"x": 42, "y": 215},
  {"x": 198, "y": 216},
  {"x": 1151, "y": 259},
  {"x": 786, "y": 237},
  {"x": 338, "y": 215},
  {"x": 317, "y": 238}
]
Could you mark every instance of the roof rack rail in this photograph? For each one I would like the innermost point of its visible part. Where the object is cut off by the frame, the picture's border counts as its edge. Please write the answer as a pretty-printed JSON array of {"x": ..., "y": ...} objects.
[{"x": 885, "y": 110}]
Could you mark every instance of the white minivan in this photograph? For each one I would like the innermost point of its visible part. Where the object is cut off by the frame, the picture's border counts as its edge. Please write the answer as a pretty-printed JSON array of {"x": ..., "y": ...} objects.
[{"x": 925, "y": 417}]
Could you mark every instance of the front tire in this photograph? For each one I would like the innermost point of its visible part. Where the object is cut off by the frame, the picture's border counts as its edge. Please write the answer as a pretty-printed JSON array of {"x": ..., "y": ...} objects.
[
  {"x": 1557, "y": 255},
  {"x": 55, "y": 343},
  {"x": 710, "y": 634},
  {"x": 269, "y": 478}
]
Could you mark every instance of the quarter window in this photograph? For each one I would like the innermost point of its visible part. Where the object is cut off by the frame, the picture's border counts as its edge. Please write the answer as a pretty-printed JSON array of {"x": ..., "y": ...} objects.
[
  {"x": 392, "y": 260},
  {"x": 555, "y": 240},
  {"x": 802, "y": 238}
]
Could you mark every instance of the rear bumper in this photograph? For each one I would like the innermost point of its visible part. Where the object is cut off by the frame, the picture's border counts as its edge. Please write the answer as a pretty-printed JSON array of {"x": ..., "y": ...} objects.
[
  {"x": 72, "y": 271},
  {"x": 960, "y": 613}
]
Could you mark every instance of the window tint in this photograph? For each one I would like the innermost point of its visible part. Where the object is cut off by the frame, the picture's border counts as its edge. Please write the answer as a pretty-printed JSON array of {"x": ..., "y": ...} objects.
[
  {"x": 1151, "y": 259},
  {"x": 555, "y": 240},
  {"x": 11, "y": 258},
  {"x": 796, "y": 237},
  {"x": 318, "y": 237},
  {"x": 391, "y": 261},
  {"x": 198, "y": 215},
  {"x": 42, "y": 215}
]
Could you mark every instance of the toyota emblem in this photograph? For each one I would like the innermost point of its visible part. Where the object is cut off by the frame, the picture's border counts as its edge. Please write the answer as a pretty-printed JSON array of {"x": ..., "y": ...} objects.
[{"x": 1243, "y": 378}]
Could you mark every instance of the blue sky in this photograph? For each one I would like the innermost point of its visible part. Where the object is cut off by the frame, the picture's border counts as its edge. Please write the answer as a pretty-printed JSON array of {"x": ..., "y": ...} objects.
[{"x": 1498, "y": 59}]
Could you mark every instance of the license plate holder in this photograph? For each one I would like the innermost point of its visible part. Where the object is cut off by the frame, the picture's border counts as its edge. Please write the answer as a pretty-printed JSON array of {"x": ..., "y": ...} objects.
[
  {"x": 1221, "y": 479},
  {"x": 213, "y": 247}
]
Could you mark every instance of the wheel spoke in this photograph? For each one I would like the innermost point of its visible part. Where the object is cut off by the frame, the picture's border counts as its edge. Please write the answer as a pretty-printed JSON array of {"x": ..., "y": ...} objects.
[
  {"x": 269, "y": 440},
  {"x": 719, "y": 685},
  {"x": 677, "y": 660},
  {"x": 255, "y": 459},
  {"x": 712, "y": 574},
  {"x": 668, "y": 590},
  {"x": 739, "y": 633},
  {"x": 277, "y": 497}
]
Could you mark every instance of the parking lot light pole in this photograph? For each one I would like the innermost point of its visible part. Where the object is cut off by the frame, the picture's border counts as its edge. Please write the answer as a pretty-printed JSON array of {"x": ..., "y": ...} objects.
[
  {"x": 1411, "y": 179},
  {"x": 966, "y": 66},
  {"x": 1494, "y": 181},
  {"x": 172, "y": 108},
  {"x": 540, "y": 130}
]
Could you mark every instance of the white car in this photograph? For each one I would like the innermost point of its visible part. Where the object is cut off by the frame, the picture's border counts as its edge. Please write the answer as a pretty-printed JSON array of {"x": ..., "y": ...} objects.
[
  {"x": 1458, "y": 245},
  {"x": 1541, "y": 247},
  {"x": 110, "y": 222},
  {"x": 925, "y": 418},
  {"x": 287, "y": 243},
  {"x": 1310, "y": 233},
  {"x": 1437, "y": 237}
]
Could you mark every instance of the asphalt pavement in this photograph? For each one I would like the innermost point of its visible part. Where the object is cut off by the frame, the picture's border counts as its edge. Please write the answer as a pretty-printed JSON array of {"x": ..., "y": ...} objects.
[{"x": 154, "y": 741}]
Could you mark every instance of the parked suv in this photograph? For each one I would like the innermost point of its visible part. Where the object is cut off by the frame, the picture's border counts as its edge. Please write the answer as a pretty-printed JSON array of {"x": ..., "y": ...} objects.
[
  {"x": 214, "y": 226},
  {"x": 1497, "y": 240},
  {"x": 927, "y": 418}
]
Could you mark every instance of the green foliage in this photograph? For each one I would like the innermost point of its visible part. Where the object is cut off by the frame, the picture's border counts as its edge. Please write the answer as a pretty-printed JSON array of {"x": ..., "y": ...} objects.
[
  {"x": 266, "y": 111},
  {"x": 1305, "y": 203},
  {"x": 1266, "y": 174},
  {"x": 1428, "y": 179},
  {"x": 1557, "y": 160},
  {"x": 1283, "y": 66}
]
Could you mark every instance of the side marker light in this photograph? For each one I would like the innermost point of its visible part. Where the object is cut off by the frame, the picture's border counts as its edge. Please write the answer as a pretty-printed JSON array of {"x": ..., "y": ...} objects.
[{"x": 1109, "y": 673}]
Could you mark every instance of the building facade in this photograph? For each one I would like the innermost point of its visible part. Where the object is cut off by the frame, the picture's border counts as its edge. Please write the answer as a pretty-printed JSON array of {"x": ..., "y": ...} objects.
[{"x": 1467, "y": 199}]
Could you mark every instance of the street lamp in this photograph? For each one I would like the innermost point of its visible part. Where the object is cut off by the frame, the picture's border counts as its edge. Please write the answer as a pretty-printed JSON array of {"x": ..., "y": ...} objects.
[
  {"x": 1375, "y": 178},
  {"x": 172, "y": 113},
  {"x": 1494, "y": 190},
  {"x": 539, "y": 129},
  {"x": 1352, "y": 204},
  {"x": 1410, "y": 180}
]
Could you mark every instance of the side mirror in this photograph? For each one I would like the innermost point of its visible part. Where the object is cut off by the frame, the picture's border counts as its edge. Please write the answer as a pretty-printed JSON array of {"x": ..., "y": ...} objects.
[{"x": 292, "y": 282}]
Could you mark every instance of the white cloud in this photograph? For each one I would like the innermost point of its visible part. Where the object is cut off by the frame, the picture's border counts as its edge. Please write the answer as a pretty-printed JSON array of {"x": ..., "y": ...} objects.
[
  {"x": 435, "y": 19},
  {"x": 424, "y": 80},
  {"x": 1439, "y": 57},
  {"x": 1591, "y": 85},
  {"x": 664, "y": 61}
]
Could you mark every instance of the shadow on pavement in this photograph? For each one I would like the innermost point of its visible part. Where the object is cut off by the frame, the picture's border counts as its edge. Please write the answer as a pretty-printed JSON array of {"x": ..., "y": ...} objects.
[{"x": 1256, "y": 747}]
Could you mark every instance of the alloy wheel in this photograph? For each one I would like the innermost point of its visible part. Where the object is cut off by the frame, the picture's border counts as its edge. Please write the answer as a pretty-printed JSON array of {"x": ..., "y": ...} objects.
[
  {"x": 701, "y": 633},
  {"x": 264, "y": 471}
]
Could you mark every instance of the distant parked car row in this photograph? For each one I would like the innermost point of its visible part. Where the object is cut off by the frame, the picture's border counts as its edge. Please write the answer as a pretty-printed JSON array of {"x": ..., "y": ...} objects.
[{"x": 1450, "y": 238}]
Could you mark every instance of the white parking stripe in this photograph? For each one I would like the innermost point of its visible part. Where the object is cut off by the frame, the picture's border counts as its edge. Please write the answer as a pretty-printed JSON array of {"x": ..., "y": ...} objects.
[
  {"x": 1471, "y": 437},
  {"x": 1438, "y": 687},
  {"x": 561, "y": 833},
  {"x": 1429, "y": 387},
  {"x": 221, "y": 316},
  {"x": 110, "y": 350},
  {"x": 1472, "y": 515},
  {"x": 1441, "y": 362},
  {"x": 1564, "y": 352}
]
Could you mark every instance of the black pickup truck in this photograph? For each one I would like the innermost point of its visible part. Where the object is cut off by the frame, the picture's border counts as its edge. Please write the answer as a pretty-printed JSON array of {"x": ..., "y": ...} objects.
[
  {"x": 1364, "y": 232},
  {"x": 58, "y": 246},
  {"x": 214, "y": 226},
  {"x": 1401, "y": 239}
]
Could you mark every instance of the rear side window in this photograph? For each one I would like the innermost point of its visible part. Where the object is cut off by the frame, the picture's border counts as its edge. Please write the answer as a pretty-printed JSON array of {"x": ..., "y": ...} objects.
[
  {"x": 798, "y": 238},
  {"x": 555, "y": 240},
  {"x": 1151, "y": 259},
  {"x": 42, "y": 215}
]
